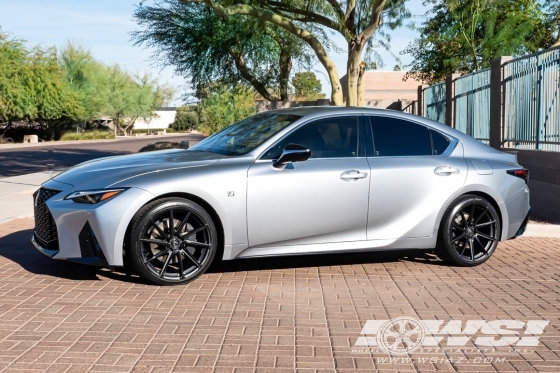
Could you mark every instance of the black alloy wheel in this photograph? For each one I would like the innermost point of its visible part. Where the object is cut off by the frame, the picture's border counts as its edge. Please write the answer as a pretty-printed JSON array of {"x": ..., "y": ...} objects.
[
  {"x": 469, "y": 233},
  {"x": 173, "y": 241}
]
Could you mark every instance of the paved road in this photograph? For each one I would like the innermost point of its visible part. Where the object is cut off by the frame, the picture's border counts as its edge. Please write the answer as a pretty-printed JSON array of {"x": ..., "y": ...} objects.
[
  {"x": 280, "y": 315},
  {"x": 25, "y": 160}
]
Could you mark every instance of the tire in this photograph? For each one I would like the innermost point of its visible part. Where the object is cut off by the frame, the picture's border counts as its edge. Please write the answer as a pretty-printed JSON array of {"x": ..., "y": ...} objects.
[
  {"x": 469, "y": 232},
  {"x": 172, "y": 254}
]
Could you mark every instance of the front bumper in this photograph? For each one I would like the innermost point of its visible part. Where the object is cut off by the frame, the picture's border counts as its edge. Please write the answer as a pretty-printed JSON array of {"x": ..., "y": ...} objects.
[{"x": 91, "y": 234}]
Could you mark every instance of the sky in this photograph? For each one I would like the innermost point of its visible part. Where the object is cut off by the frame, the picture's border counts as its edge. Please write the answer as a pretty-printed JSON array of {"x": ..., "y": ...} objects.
[{"x": 104, "y": 27}]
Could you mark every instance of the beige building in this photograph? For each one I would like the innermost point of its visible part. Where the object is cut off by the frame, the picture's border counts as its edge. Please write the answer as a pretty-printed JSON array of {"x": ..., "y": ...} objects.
[{"x": 384, "y": 89}]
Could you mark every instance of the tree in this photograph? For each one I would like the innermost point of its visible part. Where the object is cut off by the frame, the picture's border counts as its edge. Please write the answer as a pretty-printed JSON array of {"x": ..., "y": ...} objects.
[
  {"x": 32, "y": 87},
  {"x": 356, "y": 21},
  {"x": 85, "y": 76},
  {"x": 203, "y": 46},
  {"x": 307, "y": 86},
  {"x": 465, "y": 35},
  {"x": 131, "y": 97},
  {"x": 224, "y": 104}
]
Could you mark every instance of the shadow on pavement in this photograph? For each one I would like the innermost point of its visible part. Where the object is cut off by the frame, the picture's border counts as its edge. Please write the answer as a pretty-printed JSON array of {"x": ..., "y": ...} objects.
[
  {"x": 325, "y": 260},
  {"x": 17, "y": 248}
]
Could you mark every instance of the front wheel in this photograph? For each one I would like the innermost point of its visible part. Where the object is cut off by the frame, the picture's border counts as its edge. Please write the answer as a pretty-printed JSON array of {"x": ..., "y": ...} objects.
[
  {"x": 469, "y": 232},
  {"x": 173, "y": 241}
]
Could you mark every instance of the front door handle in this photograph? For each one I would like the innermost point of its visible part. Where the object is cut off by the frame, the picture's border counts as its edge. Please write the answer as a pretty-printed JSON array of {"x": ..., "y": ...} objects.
[
  {"x": 353, "y": 175},
  {"x": 446, "y": 170}
]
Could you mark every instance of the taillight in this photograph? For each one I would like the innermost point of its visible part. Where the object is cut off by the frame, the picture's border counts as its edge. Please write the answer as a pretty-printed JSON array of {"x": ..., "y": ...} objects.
[{"x": 522, "y": 173}]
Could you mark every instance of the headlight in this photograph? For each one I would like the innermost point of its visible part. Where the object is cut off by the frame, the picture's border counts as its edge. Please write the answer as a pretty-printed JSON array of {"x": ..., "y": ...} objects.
[{"x": 94, "y": 196}]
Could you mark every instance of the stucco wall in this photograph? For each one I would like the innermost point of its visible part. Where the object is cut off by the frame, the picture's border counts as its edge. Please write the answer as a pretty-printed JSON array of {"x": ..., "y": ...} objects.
[
  {"x": 387, "y": 85},
  {"x": 166, "y": 116}
]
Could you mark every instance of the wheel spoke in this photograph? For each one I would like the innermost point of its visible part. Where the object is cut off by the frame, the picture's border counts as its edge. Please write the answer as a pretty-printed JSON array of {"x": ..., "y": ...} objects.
[
  {"x": 161, "y": 253},
  {"x": 458, "y": 238},
  {"x": 481, "y": 245},
  {"x": 195, "y": 243},
  {"x": 165, "y": 265},
  {"x": 183, "y": 223},
  {"x": 160, "y": 231},
  {"x": 471, "y": 215},
  {"x": 188, "y": 255},
  {"x": 464, "y": 219},
  {"x": 481, "y": 215},
  {"x": 485, "y": 224},
  {"x": 181, "y": 270},
  {"x": 471, "y": 245},
  {"x": 194, "y": 231},
  {"x": 455, "y": 225},
  {"x": 157, "y": 242},
  {"x": 171, "y": 223},
  {"x": 485, "y": 236}
]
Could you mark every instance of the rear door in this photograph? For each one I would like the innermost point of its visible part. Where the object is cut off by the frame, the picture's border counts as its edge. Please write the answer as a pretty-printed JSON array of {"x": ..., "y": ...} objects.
[{"x": 415, "y": 170}]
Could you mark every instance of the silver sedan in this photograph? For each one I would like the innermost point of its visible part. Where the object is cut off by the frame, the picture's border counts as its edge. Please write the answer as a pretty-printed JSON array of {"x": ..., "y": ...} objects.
[{"x": 287, "y": 182}]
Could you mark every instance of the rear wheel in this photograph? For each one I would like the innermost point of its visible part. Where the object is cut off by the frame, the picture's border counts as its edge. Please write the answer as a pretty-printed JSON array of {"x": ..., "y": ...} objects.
[
  {"x": 173, "y": 241},
  {"x": 469, "y": 233}
]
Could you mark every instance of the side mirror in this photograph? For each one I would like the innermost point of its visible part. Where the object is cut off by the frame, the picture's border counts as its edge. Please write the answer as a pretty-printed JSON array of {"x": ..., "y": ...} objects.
[{"x": 292, "y": 153}]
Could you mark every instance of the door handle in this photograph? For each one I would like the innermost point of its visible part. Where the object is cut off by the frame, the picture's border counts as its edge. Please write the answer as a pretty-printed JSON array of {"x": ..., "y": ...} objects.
[
  {"x": 446, "y": 170},
  {"x": 353, "y": 175}
]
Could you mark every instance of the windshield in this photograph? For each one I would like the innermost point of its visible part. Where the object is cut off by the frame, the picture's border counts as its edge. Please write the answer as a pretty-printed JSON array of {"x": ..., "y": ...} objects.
[{"x": 244, "y": 136}]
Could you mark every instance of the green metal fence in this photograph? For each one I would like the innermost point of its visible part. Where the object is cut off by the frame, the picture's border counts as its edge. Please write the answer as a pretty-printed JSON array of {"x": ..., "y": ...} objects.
[
  {"x": 532, "y": 108},
  {"x": 434, "y": 102},
  {"x": 472, "y": 105}
]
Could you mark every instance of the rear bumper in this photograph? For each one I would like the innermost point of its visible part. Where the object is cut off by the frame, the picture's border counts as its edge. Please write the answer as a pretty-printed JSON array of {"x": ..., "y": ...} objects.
[{"x": 523, "y": 226}]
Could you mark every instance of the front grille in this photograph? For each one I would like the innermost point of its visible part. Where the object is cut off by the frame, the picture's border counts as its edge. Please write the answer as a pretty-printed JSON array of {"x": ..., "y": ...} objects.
[{"x": 45, "y": 227}]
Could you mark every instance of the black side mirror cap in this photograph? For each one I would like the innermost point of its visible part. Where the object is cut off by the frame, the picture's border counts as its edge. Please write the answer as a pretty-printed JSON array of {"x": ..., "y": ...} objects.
[{"x": 292, "y": 153}]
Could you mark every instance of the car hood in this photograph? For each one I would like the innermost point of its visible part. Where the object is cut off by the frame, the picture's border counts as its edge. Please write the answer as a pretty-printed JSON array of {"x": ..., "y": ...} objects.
[{"x": 104, "y": 172}]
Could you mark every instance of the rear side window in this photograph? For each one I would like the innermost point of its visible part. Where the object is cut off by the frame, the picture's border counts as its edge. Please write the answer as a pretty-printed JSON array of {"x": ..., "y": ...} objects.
[
  {"x": 394, "y": 137},
  {"x": 439, "y": 142}
]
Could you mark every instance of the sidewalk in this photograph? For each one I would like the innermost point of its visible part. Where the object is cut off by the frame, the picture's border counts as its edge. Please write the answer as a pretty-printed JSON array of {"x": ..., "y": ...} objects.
[{"x": 16, "y": 194}]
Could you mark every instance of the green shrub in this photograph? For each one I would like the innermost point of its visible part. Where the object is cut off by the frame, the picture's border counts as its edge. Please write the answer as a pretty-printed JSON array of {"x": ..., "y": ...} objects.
[
  {"x": 87, "y": 135},
  {"x": 185, "y": 119}
]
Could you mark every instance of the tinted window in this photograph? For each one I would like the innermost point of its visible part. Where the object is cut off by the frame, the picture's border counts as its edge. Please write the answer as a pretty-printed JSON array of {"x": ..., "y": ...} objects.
[
  {"x": 396, "y": 137},
  {"x": 440, "y": 142},
  {"x": 244, "y": 136},
  {"x": 335, "y": 137}
]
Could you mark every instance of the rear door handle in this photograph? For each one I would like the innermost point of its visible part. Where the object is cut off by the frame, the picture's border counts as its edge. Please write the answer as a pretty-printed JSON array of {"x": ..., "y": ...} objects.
[
  {"x": 353, "y": 175},
  {"x": 446, "y": 170}
]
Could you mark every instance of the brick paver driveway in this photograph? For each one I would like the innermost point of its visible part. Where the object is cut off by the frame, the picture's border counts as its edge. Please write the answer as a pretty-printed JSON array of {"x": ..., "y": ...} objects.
[{"x": 267, "y": 315}]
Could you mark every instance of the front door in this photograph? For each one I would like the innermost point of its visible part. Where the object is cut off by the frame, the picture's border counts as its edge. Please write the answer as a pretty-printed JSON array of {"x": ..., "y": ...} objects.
[{"x": 321, "y": 200}]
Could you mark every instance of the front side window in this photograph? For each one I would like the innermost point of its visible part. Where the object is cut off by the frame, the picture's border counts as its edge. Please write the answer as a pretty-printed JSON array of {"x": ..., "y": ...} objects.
[
  {"x": 335, "y": 137},
  {"x": 395, "y": 137},
  {"x": 244, "y": 136}
]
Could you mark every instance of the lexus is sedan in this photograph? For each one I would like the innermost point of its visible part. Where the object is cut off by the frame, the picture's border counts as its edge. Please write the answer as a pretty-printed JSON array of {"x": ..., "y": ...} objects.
[{"x": 287, "y": 182}]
